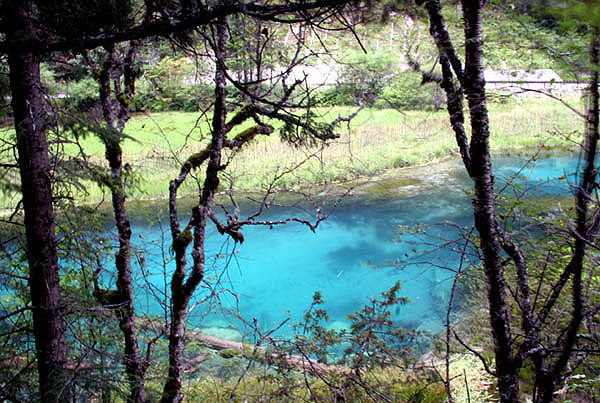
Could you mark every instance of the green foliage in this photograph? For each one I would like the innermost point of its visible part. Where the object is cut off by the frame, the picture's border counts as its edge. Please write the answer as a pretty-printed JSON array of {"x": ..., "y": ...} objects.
[
  {"x": 171, "y": 84},
  {"x": 191, "y": 98},
  {"x": 264, "y": 385},
  {"x": 362, "y": 79},
  {"x": 368, "y": 346},
  {"x": 374, "y": 337},
  {"x": 406, "y": 92},
  {"x": 376, "y": 80},
  {"x": 81, "y": 95},
  {"x": 71, "y": 88},
  {"x": 247, "y": 39},
  {"x": 540, "y": 34},
  {"x": 571, "y": 14},
  {"x": 371, "y": 339},
  {"x": 76, "y": 18}
]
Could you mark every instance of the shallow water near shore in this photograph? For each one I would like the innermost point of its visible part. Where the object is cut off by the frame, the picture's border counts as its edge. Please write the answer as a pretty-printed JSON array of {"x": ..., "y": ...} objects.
[{"x": 359, "y": 252}]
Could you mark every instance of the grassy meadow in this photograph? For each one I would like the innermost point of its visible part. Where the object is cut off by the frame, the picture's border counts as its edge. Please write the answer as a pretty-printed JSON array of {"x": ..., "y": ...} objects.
[{"x": 375, "y": 141}]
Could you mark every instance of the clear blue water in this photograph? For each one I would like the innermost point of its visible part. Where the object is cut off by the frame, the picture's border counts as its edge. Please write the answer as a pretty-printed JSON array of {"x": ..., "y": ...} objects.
[{"x": 275, "y": 272}]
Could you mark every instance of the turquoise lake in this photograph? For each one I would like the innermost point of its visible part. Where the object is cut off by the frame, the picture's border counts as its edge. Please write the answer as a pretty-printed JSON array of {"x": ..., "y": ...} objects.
[{"x": 351, "y": 257}]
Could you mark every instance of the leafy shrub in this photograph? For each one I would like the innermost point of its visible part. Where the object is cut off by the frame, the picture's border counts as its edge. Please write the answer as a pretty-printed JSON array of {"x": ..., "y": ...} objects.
[
  {"x": 81, "y": 95},
  {"x": 172, "y": 84},
  {"x": 377, "y": 81},
  {"x": 190, "y": 98},
  {"x": 407, "y": 93},
  {"x": 361, "y": 80}
]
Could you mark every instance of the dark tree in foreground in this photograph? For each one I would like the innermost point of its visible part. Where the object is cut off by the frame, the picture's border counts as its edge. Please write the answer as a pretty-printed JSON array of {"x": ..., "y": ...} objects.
[
  {"x": 537, "y": 341},
  {"x": 34, "y": 166}
]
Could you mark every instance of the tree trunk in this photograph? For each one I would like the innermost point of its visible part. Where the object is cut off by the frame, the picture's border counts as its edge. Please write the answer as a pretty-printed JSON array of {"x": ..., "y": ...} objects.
[
  {"x": 483, "y": 203},
  {"x": 134, "y": 367},
  {"x": 36, "y": 187},
  {"x": 477, "y": 161},
  {"x": 182, "y": 291}
]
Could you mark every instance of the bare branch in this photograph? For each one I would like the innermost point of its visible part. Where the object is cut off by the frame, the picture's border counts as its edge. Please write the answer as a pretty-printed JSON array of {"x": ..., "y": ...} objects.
[
  {"x": 476, "y": 353},
  {"x": 552, "y": 96},
  {"x": 18, "y": 311}
]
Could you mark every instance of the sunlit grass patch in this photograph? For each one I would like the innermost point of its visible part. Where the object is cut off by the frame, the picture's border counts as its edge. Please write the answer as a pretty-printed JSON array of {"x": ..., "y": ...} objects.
[{"x": 375, "y": 140}]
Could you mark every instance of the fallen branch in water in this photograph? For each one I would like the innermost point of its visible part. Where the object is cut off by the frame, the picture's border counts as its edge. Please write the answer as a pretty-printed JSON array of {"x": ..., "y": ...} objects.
[{"x": 263, "y": 355}]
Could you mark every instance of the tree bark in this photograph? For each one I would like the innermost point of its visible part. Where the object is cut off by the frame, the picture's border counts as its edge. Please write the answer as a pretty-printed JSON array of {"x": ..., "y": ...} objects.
[
  {"x": 483, "y": 203},
  {"x": 477, "y": 161},
  {"x": 35, "y": 170}
]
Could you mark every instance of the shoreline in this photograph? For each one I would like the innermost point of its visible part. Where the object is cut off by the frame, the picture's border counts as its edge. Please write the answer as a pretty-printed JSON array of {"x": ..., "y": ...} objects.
[{"x": 390, "y": 182}]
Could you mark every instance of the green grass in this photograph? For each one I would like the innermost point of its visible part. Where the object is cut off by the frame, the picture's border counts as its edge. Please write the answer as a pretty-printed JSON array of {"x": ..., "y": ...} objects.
[{"x": 376, "y": 141}]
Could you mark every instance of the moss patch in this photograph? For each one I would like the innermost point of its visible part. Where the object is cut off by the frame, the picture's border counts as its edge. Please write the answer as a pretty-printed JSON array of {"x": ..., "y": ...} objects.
[{"x": 229, "y": 353}]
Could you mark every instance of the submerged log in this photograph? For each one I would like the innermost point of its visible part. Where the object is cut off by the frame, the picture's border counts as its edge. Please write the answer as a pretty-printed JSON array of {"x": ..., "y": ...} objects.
[{"x": 265, "y": 355}]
